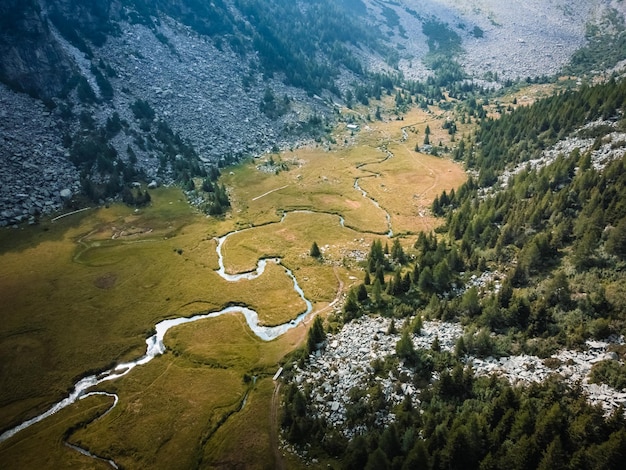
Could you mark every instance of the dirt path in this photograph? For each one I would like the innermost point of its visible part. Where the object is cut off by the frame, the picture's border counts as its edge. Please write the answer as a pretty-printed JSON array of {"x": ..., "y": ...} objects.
[{"x": 269, "y": 192}]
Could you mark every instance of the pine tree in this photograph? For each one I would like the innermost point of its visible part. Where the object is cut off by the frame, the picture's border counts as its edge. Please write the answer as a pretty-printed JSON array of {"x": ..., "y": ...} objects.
[
  {"x": 315, "y": 251},
  {"x": 397, "y": 253},
  {"x": 361, "y": 294},
  {"x": 316, "y": 334},
  {"x": 416, "y": 327},
  {"x": 405, "y": 349},
  {"x": 377, "y": 292},
  {"x": 351, "y": 307}
]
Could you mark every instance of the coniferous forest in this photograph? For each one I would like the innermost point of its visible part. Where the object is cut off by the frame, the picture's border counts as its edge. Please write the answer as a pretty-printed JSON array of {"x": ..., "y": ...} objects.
[{"x": 557, "y": 230}]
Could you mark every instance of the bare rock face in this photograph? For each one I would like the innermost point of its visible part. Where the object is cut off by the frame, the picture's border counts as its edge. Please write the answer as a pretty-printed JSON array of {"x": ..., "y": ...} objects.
[{"x": 32, "y": 60}]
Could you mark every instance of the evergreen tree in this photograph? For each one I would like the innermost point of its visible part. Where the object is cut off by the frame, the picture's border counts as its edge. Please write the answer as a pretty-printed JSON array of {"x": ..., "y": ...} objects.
[
  {"x": 377, "y": 292},
  {"x": 361, "y": 295},
  {"x": 416, "y": 327},
  {"x": 316, "y": 334},
  {"x": 315, "y": 251},
  {"x": 351, "y": 307},
  {"x": 405, "y": 349},
  {"x": 397, "y": 253}
]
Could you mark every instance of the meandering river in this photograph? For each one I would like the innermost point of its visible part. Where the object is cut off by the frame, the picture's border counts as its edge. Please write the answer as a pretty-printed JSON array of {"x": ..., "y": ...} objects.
[{"x": 155, "y": 345}]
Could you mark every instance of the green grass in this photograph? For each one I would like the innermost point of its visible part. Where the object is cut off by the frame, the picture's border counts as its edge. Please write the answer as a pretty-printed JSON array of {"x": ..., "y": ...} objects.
[
  {"x": 41, "y": 445},
  {"x": 84, "y": 292}
]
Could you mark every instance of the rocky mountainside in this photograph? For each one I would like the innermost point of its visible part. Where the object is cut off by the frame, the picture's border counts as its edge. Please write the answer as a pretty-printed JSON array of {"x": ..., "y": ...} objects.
[{"x": 130, "y": 90}]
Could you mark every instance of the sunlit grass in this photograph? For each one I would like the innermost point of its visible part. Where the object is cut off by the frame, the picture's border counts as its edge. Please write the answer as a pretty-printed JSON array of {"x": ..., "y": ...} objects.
[
  {"x": 239, "y": 444},
  {"x": 317, "y": 181},
  {"x": 41, "y": 445},
  {"x": 165, "y": 407},
  {"x": 84, "y": 292}
]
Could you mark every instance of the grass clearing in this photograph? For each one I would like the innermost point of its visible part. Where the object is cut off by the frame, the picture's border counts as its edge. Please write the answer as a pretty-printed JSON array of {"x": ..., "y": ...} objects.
[
  {"x": 406, "y": 185},
  {"x": 84, "y": 292},
  {"x": 237, "y": 444},
  {"x": 316, "y": 181},
  {"x": 41, "y": 445},
  {"x": 165, "y": 406},
  {"x": 68, "y": 313}
]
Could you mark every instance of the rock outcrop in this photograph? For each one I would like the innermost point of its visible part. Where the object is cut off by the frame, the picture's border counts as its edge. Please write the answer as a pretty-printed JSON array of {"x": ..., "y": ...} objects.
[
  {"x": 346, "y": 363},
  {"x": 35, "y": 175}
]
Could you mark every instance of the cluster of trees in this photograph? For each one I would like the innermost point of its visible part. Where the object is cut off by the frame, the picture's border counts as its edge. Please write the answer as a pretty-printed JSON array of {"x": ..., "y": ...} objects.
[
  {"x": 395, "y": 283},
  {"x": 272, "y": 107},
  {"x": 297, "y": 423},
  {"x": 522, "y": 135},
  {"x": 216, "y": 201},
  {"x": 466, "y": 422},
  {"x": 606, "y": 46},
  {"x": 135, "y": 197},
  {"x": 557, "y": 236},
  {"x": 460, "y": 420},
  {"x": 106, "y": 174},
  {"x": 566, "y": 214},
  {"x": 283, "y": 37}
]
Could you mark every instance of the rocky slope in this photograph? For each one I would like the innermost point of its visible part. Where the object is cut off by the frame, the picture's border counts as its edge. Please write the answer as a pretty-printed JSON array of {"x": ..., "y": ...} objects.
[
  {"x": 35, "y": 176},
  {"x": 511, "y": 39},
  {"x": 199, "y": 82},
  {"x": 346, "y": 363}
]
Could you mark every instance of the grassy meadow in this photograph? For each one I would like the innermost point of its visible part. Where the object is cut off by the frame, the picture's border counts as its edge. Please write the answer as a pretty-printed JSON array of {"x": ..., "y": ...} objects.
[{"x": 84, "y": 292}]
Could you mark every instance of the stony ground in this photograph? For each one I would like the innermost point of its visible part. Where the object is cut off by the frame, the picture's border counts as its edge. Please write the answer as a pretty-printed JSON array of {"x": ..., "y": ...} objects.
[
  {"x": 346, "y": 362},
  {"x": 200, "y": 90},
  {"x": 520, "y": 38},
  {"x": 35, "y": 175}
]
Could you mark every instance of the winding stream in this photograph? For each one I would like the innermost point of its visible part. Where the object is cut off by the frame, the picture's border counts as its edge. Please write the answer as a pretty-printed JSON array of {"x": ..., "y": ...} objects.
[
  {"x": 375, "y": 202},
  {"x": 367, "y": 196},
  {"x": 155, "y": 345}
]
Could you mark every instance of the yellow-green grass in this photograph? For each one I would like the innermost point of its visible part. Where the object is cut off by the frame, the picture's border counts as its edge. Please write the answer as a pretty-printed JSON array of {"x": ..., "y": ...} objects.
[
  {"x": 42, "y": 446},
  {"x": 318, "y": 181},
  {"x": 237, "y": 444},
  {"x": 290, "y": 239},
  {"x": 406, "y": 185},
  {"x": 67, "y": 314},
  {"x": 170, "y": 409},
  {"x": 164, "y": 410}
]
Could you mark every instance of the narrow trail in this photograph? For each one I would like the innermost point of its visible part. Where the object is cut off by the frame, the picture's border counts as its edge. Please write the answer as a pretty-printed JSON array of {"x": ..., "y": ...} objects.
[
  {"x": 279, "y": 463},
  {"x": 340, "y": 290},
  {"x": 70, "y": 213},
  {"x": 269, "y": 192}
]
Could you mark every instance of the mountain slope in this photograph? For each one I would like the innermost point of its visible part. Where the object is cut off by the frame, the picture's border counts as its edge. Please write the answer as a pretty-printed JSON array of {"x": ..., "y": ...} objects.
[{"x": 232, "y": 78}]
